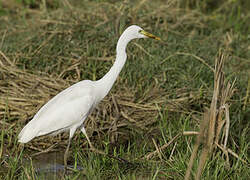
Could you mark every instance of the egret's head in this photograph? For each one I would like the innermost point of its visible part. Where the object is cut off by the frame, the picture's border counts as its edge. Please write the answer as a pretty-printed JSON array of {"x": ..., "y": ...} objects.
[{"x": 138, "y": 32}]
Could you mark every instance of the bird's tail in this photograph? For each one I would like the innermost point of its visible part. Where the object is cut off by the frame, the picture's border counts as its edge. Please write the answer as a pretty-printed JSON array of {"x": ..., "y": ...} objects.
[{"x": 27, "y": 133}]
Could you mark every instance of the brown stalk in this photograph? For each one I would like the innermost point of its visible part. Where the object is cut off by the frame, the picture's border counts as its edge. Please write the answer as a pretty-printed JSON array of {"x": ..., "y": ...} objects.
[{"x": 216, "y": 118}]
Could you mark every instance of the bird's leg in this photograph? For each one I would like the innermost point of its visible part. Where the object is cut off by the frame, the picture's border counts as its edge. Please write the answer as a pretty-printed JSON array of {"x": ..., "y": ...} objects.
[
  {"x": 90, "y": 144},
  {"x": 85, "y": 134},
  {"x": 100, "y": 151},
  {"x": 66, "y": 155}
]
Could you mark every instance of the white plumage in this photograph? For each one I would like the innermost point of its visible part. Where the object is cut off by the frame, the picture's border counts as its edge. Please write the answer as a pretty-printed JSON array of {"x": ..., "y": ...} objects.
[{"x": 68, "y": 109}]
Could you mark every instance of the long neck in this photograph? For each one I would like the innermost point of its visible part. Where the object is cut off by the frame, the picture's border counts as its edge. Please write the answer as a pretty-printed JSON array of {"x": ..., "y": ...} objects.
[{"x": 106, "y": 83}]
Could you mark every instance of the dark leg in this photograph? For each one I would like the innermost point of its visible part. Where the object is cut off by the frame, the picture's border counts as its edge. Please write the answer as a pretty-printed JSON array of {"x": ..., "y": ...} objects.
[
  {"x": 66, "y": 156},
  {"x": 92, "y": 148}
]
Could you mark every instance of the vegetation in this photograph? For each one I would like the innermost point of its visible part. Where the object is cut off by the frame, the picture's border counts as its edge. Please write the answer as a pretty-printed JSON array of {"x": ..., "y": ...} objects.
[{"x": 162, "y": 94}]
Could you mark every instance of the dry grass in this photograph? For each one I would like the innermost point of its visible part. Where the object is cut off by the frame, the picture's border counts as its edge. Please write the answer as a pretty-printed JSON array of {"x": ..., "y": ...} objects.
[
  {"x": 69, "y": 44},
  {"x": 23, "y": 92},
  {"x": 214, "y": 120}
]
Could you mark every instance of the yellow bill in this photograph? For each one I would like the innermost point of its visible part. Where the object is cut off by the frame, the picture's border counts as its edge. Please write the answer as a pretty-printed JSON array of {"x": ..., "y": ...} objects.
[{"x": 149, "y": 35}]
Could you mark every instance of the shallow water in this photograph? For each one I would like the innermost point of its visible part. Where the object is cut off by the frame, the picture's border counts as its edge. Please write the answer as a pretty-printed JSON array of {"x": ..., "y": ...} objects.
[{"x": 50, "y": 165}]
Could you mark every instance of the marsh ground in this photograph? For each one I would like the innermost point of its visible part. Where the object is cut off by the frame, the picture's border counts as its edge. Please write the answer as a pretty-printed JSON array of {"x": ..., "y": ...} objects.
[{"x": 163, "y": 90}]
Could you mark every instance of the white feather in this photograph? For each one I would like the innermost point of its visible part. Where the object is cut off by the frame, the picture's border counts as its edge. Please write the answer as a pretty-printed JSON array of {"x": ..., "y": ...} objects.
[
  {"x": 66, "y": 109},
  {"x": 69, "y": 109}
]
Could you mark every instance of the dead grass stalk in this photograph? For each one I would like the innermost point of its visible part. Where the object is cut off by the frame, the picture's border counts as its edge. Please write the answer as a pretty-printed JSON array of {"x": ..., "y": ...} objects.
[{"x": 214, "y": 119}]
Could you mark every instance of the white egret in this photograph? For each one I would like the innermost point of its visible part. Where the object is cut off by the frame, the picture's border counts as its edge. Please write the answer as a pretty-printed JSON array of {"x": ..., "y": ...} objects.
[{"x": 68, "y": 109}]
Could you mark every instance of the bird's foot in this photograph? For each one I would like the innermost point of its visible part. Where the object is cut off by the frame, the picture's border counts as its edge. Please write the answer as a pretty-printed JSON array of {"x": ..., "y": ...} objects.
[
  {"x": 92, "y": 148},
  {"x": 65, "y": 171}
]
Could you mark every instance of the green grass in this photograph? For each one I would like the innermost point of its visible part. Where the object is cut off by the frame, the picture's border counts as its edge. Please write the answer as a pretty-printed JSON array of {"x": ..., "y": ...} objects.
[{"x": 167, "y": 87}]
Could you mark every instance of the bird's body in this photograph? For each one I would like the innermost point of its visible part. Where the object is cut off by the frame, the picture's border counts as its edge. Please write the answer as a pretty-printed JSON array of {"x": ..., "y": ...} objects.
[{"x": 68, "y": 109}]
